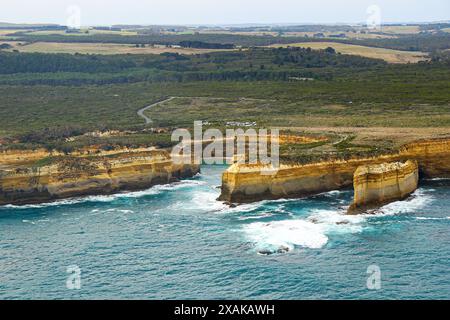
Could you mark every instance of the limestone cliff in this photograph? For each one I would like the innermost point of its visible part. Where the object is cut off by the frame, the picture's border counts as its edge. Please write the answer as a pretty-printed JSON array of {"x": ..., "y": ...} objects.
[
  {"x": 433, "y": 157},
  {"x": 376, "y": 185},
  {"x": 79, "y": 175},
  {"x": 244, "y": 183}
]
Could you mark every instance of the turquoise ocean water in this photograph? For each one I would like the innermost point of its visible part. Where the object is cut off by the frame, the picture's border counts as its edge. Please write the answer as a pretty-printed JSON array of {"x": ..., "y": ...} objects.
[{"x": 178, "y": 242}]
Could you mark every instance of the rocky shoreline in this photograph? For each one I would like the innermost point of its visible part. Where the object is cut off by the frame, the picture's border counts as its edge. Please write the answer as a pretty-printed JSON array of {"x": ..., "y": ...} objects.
[
  {"x": 28, "y": 177},
  {"x": 56, "y": 176},
  {"x": 245, "y": 183}
]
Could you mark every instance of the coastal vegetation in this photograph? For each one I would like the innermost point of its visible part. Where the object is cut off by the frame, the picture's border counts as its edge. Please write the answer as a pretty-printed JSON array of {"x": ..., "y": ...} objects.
[{"x": 60, "y": 100}]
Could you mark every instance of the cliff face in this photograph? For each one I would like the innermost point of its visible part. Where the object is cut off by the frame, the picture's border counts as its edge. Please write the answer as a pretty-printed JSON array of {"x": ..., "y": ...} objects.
[
  {"x": 244, "y": 183},
  {"x": 433, "y": 157},
  {"x": 72, "y": 176},
  {"x": 376, "y": 185}
]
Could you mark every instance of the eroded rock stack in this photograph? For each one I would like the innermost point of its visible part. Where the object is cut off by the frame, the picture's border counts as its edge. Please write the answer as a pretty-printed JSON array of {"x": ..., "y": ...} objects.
[
  {"x": 245, "y": 183},
  {"x": 376, "y": 185}
]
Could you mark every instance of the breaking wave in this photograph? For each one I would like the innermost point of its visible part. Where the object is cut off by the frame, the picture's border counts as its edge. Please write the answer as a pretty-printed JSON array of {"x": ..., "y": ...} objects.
[
  {"x": 429, "y": 218},
  {"x": 312, "y": 232},
  {"x": 418, "y": 200},
  {"x": 285, "y": 234}
]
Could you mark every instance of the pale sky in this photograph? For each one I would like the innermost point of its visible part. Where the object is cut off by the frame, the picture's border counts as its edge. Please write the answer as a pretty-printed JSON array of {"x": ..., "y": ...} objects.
[{"x": 108, "y": 12}]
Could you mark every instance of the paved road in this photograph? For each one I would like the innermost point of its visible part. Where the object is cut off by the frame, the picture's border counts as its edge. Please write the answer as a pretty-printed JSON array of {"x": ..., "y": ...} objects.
[{"x": 147, "y": 119}]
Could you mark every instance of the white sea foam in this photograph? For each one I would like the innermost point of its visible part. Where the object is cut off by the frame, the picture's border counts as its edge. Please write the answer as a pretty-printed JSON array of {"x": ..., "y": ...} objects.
[
  {"x": 126, "y": 211},
  {"x": 282, "y": 200},
  {"x": 430, "y": 218},
  {"x": 418, "y": 200},
  {"x": 332, "y": 193},
  {"x": 337, "y": 221},
  {"x": 108, "y": 198},
  {"x": 202, "y": 200},
  {"x": 206, "y": 201},
  {"x": 259, "y": 216},
  {"x": 243, "y": 208},
  {"x": 311, "y": 232},
  {"x": 44, "y": 205},
  {"x": 314, "y": 230},
  {"x": 249, "y": 207},
  {"x": 288, "y": 234}
]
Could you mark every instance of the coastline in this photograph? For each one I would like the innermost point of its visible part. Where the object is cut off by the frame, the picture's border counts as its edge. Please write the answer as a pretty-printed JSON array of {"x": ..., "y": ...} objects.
[
  {"x": 245, "y": 184},
  {"x": 72, "y": 176},
  {"x": 93, "y": 172}
]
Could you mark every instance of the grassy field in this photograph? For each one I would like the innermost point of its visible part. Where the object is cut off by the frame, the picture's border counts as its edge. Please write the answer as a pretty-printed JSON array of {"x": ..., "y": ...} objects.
[
  {"x": 400, "y": 29},
  {"x": 101, "y": 48},
  {"x": 358, "y": 116},
  {"x": 350, "y": 32},
  {"x": 4, "y": 32},
  {"x": 34, "y": 113},
  {"x": 342, "y": 103},
  {"x": 385, "y": 32},
  {"x": 83, "y": 32},
  {"x": 395, "y": 136},
  {"x": 348, "y": 35},
  {"x": 220, "y": 31},
  {"x": 391, "y": 56},
  {"x": 296, "y": 113}
]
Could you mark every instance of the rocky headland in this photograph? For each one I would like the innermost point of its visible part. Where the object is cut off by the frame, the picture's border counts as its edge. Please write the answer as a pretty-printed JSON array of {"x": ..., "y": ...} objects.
[
  {"x": 376, "y": 185},
  {"x": 245, "y": 183},
  {"x": 40, "y": 176}
]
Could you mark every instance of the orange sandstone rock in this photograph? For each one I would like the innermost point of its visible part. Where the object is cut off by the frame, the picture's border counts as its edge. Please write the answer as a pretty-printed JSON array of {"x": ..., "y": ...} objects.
[
  {"x": 73, "y": 176},
  {"x": 245, "y": 183},
  {"x": 376, "y": 185}
]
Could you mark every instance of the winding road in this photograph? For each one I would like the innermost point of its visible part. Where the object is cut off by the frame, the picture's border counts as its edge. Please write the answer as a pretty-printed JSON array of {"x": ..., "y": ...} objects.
[{"x": 142, "y": 114}]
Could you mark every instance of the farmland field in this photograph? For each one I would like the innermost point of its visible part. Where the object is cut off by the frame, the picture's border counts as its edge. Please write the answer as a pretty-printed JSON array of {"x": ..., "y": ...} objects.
[
  {"x": 4, "y": 32},
  {"x": 348, "y": 35},
  {"x": 102, "y": 48},
  {"x": 389, "y": 55},
  {"x": 400, "y": 29},
  {"x": 83, "y": 32}
]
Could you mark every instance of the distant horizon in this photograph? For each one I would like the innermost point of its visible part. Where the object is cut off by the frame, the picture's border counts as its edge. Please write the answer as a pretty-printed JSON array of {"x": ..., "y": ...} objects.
[
  {"x": 37, "y": 23},
  {"x": 223, "y": 13}
]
